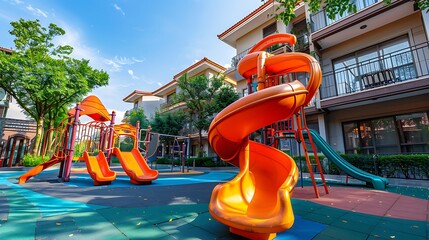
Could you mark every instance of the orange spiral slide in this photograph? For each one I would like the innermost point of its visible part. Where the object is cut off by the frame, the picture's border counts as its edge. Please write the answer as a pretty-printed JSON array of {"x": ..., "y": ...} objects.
[{"x": 256, "y": 203}]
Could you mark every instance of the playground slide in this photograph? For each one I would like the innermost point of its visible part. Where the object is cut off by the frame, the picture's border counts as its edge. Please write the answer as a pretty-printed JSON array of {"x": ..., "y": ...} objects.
[
  {"x": 39, "y": 168},
  {"x": 376, "y": 182},
  {"x": 257, "y": 200},
  {"x": 135, "y": 166},
  {"x": 98, "y": 168},
  {"x": 256, "y": 203}
]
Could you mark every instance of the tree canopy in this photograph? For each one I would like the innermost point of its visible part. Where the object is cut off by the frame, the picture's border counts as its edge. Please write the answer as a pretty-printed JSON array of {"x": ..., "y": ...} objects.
[
  {"x": 41, "y": 76},
  {"x": 134, "y": 115},
  {"x": 204, "y": 96},
  {"x": 168, "y": 123},
  {"x": 332, "y": 7}
]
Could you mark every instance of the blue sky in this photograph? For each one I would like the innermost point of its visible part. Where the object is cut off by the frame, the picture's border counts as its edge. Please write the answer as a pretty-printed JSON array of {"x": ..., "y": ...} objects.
[{"x": 142, "y": 44}]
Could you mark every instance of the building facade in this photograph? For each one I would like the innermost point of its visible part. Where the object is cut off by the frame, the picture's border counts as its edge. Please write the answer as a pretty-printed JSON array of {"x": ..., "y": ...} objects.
[
  {"x": 375, "y": 64},
  {"x": 162, "y": 100}
]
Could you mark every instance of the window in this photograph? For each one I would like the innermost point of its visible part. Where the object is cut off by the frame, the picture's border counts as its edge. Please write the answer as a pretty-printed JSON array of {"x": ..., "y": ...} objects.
[
  {"x": 245, "y": 92},
  {"x": 413, "y": 132},
  {"x": 270, "y": 29},
  {"x": 352, "y": 70},
  {"x": 136, "y": 105},
  {"x": 170, "y": 97},
  {"x": 407, "y": 133}
]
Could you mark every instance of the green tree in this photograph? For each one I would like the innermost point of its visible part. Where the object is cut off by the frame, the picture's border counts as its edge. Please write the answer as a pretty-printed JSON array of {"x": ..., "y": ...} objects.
[
  {"x": 225, "y": 96},
  {"x": 332, "y": 7},
  {"x": 134, "y": 115},
  {"x": 168, "y": 123},
  {"x": 202, "y": 95},
  {"x": 41, "y": 76}
]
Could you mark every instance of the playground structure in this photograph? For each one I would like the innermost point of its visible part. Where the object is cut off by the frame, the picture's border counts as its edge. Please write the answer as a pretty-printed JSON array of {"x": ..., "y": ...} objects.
[
  {"x": 256, "y": 203},
  {"x": 162, "y": 145},
  {"x": 92, "y": 142}
]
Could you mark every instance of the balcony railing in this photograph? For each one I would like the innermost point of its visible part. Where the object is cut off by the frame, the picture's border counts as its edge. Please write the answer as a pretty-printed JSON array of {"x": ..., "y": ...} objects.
[
  {"x": 273, "y": 49},
  {"x": 235, "y": 60},
  {"x": 168, "y": 106},
  {"x": 406, "y": 64},
  {"x": 320, "y": 19}
]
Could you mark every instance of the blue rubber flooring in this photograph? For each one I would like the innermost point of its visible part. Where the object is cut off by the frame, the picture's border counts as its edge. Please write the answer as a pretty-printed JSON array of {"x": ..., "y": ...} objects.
[{"x": 28, "y": 214}]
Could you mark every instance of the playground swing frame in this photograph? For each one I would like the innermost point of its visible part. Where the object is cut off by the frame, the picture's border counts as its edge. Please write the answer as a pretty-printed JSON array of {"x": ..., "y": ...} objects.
[{"x": 183, "y": 151}]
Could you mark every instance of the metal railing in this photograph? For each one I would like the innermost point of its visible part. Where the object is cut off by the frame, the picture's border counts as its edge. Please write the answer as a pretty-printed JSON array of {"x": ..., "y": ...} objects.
[
  {"x": 320, "y": 19},
  {"x": 302, "y": 42},
  {"x": 405, "y": 64},
  {"x": 236, "y": 59}
]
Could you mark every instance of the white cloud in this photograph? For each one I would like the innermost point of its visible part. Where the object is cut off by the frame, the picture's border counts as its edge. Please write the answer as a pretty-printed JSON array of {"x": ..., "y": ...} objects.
[
  {"x": 117, "y": 63},
  {"x": 114, "y": 66},
  {"x": 119, "y": 115},
  {"x": 118, "y": 8},
  {"x": 37, "y": 11},
  {"x": 80, "y": 49},
  {"x": 131, "y": 73},
  {"x": 137, "y": 60}
]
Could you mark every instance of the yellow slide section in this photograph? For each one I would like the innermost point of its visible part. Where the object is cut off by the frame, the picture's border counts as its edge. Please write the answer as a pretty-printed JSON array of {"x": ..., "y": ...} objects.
[
  {"x": 135, "y": 166},
  {"x": 98, "y": 168},
  {"x": 39, "y": 168}
]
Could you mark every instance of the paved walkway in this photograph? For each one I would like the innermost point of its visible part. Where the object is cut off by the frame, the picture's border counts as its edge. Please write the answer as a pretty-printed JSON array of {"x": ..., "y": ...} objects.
[{"x": 176, "y": 207}]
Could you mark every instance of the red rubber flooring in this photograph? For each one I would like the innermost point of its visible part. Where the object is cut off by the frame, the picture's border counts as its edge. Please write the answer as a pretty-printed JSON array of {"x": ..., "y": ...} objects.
[{"x": 379, "y": 203}]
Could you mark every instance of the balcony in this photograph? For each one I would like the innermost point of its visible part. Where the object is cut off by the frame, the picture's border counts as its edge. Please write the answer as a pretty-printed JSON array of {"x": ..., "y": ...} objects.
[
  {"x": 401, "y": 66},
  {"x": 320, "y": 19},
  {"x": 172, "y": 105},
  {"x": 300, "y": 46}
]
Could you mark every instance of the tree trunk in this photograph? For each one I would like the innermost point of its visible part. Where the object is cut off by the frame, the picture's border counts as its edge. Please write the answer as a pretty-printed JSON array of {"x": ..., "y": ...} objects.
[
  {"x": 39, "y": 134},
  {"x": 200, "y": 142},
  {"x": 50, "y": 146}
]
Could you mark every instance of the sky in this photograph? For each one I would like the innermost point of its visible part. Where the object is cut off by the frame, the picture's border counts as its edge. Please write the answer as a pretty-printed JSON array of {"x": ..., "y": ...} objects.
[{"x": 141, "y": 44}]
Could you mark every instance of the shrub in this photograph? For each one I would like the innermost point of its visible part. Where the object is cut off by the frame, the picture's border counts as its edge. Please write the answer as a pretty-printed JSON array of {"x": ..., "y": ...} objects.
[
  {"x": 399, "y": 165},
  {"x": 409, "y": 166},
  {"x": 31, "y": 161},
  {"x": 366, "y": 163},
  {"x": 199, "y": 162}
]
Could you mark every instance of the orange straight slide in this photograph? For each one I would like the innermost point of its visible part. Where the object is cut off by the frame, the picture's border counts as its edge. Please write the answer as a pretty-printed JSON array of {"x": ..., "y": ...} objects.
[
  {"x": 135, "y": 166},
  {"x": 39, "y": 168},
  {"x": 98, "y": 168}
]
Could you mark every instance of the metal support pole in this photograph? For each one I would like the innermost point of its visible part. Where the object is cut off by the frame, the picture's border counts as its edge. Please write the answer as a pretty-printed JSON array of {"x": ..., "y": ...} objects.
[
  {"x": 70, "y": 146},
  {"x": 111, "y": 134}
]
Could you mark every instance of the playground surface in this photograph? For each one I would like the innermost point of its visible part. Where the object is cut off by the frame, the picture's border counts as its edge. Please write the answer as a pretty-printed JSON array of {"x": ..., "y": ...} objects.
[{"x": 175, "y": 206}]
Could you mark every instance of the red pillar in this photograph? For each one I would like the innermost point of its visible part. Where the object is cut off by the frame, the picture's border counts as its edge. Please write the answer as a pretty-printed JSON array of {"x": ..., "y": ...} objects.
[
  {"x": 111, "y": 134},
  {"x": 136, "y": 144},
  {"x": 70, "y": 146}
]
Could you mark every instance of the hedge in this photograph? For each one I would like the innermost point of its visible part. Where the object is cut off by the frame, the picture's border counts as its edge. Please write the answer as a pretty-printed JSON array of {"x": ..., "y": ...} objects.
[
  {"x": 31, "y": 161},
  {"x": 413, "y": 166},
  {"x": 199, "y": 162}
]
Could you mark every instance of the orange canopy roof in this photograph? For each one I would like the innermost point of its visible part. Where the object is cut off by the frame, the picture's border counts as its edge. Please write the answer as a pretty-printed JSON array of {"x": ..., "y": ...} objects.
[{"x": 92, "y": 107}]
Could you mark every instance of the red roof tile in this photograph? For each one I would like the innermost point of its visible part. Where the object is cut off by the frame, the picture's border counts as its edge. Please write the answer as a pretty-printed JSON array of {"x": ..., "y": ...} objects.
[
  {"x": 6, "y": 50},
  {"x": 245, "y": 18},
  {"x": 196, "y": 64}
]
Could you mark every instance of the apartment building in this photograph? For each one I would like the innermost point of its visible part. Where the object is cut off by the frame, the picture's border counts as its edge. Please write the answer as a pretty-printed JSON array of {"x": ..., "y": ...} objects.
[
  {"x": 163, "y": 98},
  {"x": 4, "y": 97},
  {"x": 374, "y": 98}
]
